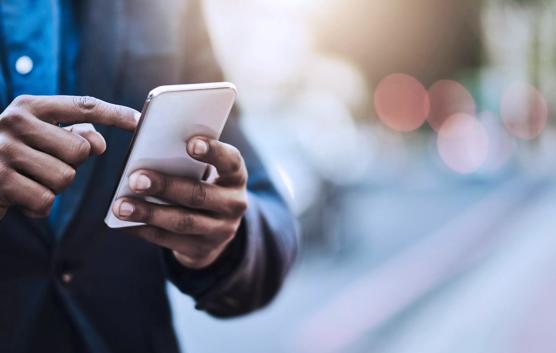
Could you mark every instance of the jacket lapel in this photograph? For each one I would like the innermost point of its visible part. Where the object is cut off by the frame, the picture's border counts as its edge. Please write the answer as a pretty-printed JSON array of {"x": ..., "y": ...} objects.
[
  {"x": 100, "y": 47},
  {"x": 98, "y": 65}
]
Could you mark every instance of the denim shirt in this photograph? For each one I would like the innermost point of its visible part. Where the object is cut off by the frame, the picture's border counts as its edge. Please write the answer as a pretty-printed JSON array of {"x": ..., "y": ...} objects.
[{"x": 38, "y": 50}]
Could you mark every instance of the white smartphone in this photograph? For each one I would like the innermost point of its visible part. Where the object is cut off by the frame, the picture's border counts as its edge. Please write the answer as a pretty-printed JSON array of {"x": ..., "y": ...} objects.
[{"x": 171, "y": 116}]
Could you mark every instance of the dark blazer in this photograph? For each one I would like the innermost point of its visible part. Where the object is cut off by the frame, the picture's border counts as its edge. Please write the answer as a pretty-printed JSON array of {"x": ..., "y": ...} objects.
[{"x": 92, "y": 289}]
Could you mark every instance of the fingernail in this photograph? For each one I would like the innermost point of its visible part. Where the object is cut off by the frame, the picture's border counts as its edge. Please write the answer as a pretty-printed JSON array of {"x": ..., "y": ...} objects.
[
  {"x": 126, "y": 209},
  {"x": 200, "y": 147},
  {"x": 139, "y": 182}
]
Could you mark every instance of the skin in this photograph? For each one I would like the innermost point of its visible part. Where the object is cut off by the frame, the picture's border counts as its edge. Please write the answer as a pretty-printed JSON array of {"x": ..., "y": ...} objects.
[
  {"x": 38, "y": 159},
  {"x": 204, "y": 216}
]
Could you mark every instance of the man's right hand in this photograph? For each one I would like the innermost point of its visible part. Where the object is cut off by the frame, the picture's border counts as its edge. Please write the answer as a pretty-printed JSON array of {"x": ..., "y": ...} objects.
[{"x": 38, "y": 158}]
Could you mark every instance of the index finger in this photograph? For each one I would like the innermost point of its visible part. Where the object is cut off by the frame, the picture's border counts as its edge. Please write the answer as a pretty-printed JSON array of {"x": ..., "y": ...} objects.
[{"x": 79, "y": 109}]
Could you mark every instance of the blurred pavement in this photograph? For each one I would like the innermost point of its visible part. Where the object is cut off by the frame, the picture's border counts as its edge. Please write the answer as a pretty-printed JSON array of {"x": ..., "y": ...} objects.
[{"x": 423, "y": 267}]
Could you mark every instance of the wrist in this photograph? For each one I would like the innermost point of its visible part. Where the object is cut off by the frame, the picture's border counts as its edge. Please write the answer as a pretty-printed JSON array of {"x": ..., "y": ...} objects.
[
  {"x": 196, "y": 282},
  {"x": 200, "y": 263}
]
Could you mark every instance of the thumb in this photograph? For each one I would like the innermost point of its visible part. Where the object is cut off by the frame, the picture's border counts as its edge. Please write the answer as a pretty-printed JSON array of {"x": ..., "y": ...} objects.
[{"x": 89, "y": 133}]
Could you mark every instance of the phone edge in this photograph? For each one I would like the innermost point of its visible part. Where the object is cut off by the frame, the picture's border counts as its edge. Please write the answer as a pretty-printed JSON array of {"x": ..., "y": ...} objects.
[{"x": 152, "y": 94}]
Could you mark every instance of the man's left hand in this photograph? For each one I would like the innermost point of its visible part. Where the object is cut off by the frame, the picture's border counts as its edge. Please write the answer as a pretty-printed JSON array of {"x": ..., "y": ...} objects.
[{"x": 204, "y": 217}]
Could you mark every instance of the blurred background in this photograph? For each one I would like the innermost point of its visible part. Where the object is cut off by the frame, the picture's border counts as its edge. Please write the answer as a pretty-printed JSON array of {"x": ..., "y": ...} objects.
[{"x": 414, "y": 141}]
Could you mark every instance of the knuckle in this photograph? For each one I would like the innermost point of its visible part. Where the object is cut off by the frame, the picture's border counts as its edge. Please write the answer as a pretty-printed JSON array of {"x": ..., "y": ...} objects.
[
  {"x": 143, "y": 213},
  {"x": 21, "y": 100},
  {"x": 44, "y": 203},
  {"x": 161, "y": 182},
  {"x": 85, "y": 104},
  {"x": 216, "y": 150},
  {"x": 238, "y": 207},
  {"x": 236, "y": 162},
  {"x": 7, "y": 147},
  {"x": 242, "y": 178},
  {"x": 67, "y": 176},
  {"x": 198, "y": 194},
  {"x": 14, "y": 118},
  {"x": 81, "y": 149},
  {"x": 234, "y": 166},
  {"x": 228, "y": 231},
  {"x": 184, "y": 224}
]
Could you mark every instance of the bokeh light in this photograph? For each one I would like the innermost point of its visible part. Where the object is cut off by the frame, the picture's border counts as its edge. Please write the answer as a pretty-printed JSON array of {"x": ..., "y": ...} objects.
[
  {"x": 524, "y": 111},
  {"x": 402, "y": 102},
  {"x": 463, "y": 143},
  {"x": 447, "y": 98},
  {"x": 501, "y": 143}
]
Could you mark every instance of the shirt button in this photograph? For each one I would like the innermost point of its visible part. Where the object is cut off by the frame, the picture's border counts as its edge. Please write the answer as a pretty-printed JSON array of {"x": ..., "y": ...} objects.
[
  {"x": 24, "y": 65},
  {"x": 67, "y": 277}
]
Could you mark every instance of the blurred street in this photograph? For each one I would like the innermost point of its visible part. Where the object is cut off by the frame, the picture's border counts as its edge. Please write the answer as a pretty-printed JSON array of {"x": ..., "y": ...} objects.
[{"x": 424, "y": 267}]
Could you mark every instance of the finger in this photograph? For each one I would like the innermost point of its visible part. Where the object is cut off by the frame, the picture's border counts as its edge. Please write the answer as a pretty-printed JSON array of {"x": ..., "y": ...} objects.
[
  {"x": 79, "y": 109},
  {"x": 224, "y": 157},
  {"x": 191, "y": 250},
  {"x": 67, "y": 146},
  {"x": 173, "y": 219},
  {"x": 89, "y": 133},
  {"x": 189, "y": 193},
  {"x": 22, "y": 191},
  {"x": 41, "y": 167}
]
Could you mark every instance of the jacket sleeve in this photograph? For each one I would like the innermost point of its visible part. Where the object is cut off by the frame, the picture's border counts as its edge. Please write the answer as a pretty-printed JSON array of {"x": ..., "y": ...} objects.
[{"x": 253, "y": 267}]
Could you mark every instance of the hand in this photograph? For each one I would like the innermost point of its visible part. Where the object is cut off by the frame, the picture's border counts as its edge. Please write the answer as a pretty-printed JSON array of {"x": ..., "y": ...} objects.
[
  {"x": 205, "y": 216},
  {"x": 38, "y": 158}
]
